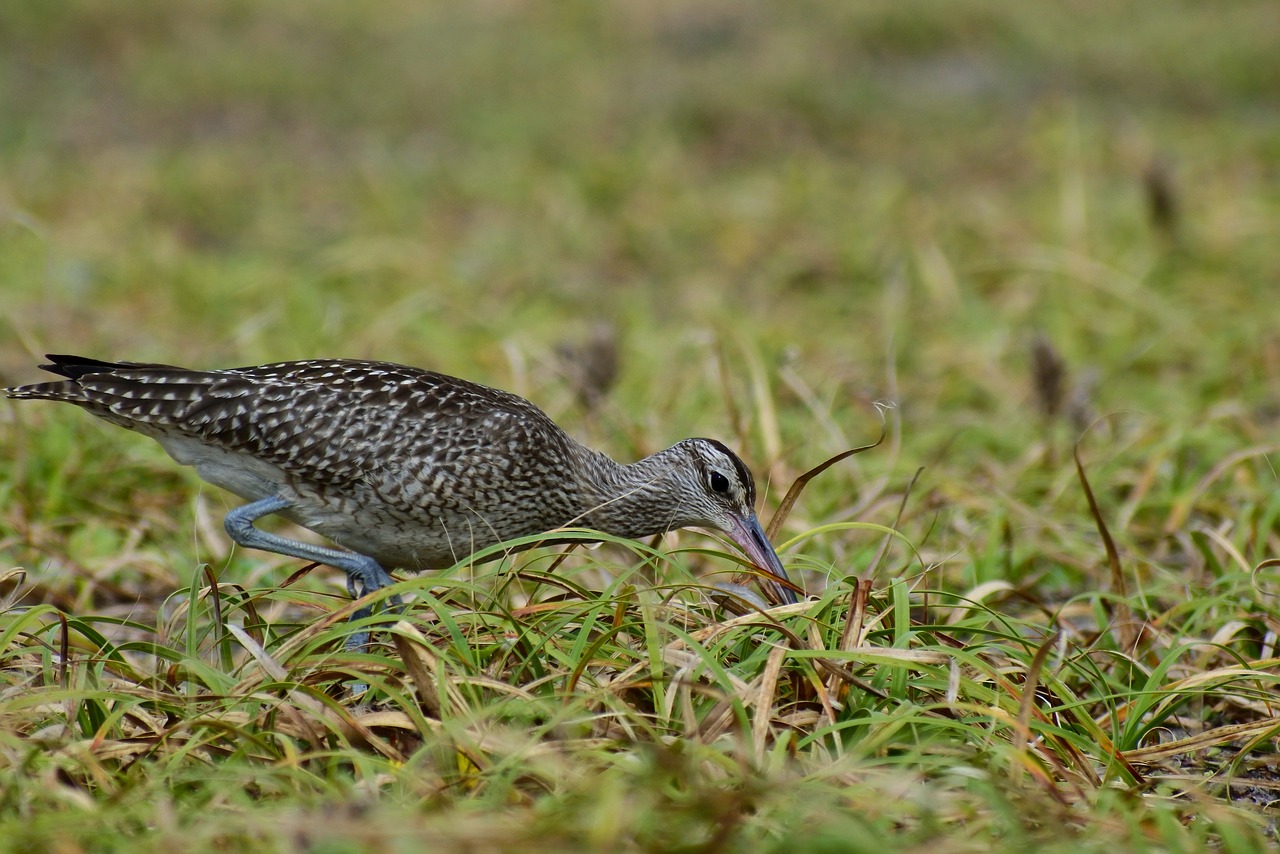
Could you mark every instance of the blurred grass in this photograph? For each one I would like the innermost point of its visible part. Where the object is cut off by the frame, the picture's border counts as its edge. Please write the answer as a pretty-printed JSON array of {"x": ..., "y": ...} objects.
[{"x": 786, "y": 213}]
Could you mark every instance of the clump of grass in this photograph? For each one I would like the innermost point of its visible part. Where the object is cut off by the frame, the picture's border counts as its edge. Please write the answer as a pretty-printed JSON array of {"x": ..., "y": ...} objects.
[{"x": 519, "y": 685}]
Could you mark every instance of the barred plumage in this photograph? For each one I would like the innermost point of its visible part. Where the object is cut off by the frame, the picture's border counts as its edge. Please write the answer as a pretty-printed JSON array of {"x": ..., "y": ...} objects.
[{"x": 405, "y": 467}]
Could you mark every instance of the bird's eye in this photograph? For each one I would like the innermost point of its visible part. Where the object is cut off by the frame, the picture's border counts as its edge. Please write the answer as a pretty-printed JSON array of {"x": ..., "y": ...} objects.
[{"x": 719, "y": 483}]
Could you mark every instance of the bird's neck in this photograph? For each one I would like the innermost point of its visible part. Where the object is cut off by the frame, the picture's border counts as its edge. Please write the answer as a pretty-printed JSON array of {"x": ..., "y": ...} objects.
[{"x": 636, "y": 499}]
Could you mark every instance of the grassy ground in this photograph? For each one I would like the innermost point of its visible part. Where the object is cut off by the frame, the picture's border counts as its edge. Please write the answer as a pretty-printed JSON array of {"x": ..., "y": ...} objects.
[{"x": 1033, "y": 226}]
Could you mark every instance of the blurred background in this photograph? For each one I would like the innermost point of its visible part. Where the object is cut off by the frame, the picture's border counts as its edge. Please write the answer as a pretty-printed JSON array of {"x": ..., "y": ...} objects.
[
  {"x": 1031, "y": 225},
  {"x": 666, "y": 219}
]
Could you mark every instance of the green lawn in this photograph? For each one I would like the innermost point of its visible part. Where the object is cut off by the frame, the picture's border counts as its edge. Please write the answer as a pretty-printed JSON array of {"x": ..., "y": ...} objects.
[{"x": 1042, "y": 230}]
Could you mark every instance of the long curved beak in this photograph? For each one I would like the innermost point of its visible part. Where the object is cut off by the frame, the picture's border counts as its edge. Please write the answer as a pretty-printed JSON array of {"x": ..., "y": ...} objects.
[{"x": 748, "y": 534}]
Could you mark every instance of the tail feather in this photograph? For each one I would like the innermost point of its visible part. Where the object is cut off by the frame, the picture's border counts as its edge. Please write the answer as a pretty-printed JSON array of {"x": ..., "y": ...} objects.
[
  {"x": 74, "y": 368},
  {"x": 69, "y": 391}
]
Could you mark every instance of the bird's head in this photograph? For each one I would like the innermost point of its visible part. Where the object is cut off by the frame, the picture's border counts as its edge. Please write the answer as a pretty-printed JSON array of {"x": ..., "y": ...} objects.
[{"x": 716, "y": 490}]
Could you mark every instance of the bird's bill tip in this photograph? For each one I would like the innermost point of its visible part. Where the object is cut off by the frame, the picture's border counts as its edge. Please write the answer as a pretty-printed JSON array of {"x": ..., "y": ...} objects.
[{"x": 748, "y": 534}]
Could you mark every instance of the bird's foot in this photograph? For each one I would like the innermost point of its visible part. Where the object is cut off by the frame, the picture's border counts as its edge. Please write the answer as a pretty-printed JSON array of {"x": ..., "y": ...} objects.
[{"x": 364, "y": 576}]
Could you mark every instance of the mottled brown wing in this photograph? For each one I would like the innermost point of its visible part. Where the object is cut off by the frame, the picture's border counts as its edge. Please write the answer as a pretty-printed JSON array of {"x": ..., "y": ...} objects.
[{"x": 326, "y": 422}]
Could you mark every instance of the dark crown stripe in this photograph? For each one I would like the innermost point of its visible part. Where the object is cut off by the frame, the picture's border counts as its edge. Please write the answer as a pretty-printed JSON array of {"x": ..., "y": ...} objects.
[{"x": 744, "y": 473}]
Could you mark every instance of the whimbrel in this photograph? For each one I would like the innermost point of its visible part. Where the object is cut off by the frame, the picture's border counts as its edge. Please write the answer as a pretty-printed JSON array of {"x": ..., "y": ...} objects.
[{"x": 403, "y": 467}]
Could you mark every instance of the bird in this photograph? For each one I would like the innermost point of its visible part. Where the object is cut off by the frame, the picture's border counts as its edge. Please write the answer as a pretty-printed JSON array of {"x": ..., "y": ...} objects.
[{"x": 405, "y": 468}]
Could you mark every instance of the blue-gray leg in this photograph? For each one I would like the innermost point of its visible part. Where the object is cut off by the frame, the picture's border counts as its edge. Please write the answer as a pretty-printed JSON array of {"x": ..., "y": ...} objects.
[{"x": 364, "y": 574}]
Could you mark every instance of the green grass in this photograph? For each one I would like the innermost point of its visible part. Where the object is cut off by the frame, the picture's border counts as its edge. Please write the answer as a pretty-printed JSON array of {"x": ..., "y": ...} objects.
[{"x": 785, "y": 214}]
